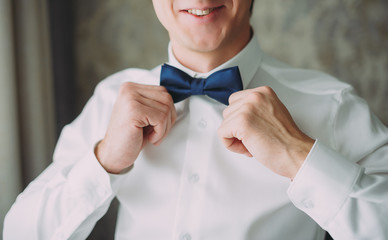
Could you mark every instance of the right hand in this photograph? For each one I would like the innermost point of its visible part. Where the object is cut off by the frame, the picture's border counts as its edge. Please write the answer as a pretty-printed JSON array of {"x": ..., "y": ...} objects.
[{"x": 141, "y": 114}]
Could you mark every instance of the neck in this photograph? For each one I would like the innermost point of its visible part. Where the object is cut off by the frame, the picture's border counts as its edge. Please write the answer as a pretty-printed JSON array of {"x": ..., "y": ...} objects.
[{"x": 205, "y": 61}]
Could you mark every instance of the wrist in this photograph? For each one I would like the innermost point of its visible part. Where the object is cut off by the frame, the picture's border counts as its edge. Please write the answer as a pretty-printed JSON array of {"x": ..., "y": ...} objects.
[
  {"x": 109, "y": 166},
  {"x": 299, "y": 153}
]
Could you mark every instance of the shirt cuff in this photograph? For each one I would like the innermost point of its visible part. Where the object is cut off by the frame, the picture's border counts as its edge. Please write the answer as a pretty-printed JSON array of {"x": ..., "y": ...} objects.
[
  {"x": 91, "y": 178},
  {"x": 323, "y": 184}
]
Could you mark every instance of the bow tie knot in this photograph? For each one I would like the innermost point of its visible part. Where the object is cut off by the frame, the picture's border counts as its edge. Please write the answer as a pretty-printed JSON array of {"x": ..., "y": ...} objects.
[
  {"x": 219, "y": 85},
  {"x": 197, "y": 85}
]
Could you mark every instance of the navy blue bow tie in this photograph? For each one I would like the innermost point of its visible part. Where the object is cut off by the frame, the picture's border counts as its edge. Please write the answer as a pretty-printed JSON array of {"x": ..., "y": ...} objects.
[{"x": 219, "y": 85}]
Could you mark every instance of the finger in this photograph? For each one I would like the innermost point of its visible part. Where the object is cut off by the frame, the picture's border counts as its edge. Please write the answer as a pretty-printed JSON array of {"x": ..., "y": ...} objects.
[
  {"x": 232, "y": 143},
  {"x": 237, "y": 146},
  {"x": 252, "y": 101},
  {"x": 157, "y": 93},
  {"x": 170, "y": 120},
  {"x": 158, "y": 133},
  {"x": 135, "y": 90},
  {"x": 162, "y": 125},
  {"x": 155, "y": 114},
  {"x": 133, "y": 85},
  {"x": 239, "y": 95},
  {"x": 154, "y": 105},
  {"x": 265, "y": 90},
  {"x": 149, "y": 95},
  {"x": 152, "y": 120},
  {"x": 236, "y": 106},
  {"x": 169, "y": 123}
]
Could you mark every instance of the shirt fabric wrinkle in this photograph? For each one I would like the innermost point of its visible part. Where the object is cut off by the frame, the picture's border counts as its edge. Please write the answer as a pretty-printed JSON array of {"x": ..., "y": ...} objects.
[{"x": 192, "y": 187}]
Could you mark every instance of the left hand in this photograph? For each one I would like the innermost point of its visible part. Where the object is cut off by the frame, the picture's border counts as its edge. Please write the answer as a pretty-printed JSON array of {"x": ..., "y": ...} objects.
[{"x": 257, "y": 124}]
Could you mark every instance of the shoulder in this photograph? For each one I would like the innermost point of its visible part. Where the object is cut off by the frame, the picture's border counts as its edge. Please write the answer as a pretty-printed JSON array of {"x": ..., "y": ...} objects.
[
  {"x": 112, "y": 83},
  {"x": 302, "y": 80}
]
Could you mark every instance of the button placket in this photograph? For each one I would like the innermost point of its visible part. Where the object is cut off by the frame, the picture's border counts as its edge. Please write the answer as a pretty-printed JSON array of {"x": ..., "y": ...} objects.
[{"x": 194, "y": 172}]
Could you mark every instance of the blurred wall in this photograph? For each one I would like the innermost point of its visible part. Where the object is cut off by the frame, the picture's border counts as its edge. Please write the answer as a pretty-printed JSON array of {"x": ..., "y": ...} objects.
[
  {"x": 346, "y": 38},
  {"x": 112, "y": 35}
]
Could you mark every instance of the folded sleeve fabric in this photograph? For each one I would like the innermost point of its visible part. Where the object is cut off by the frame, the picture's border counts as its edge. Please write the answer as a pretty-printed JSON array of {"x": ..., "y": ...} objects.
[
  {"x": 347, "y": 193},
  {"x": 69, "y": 197}
]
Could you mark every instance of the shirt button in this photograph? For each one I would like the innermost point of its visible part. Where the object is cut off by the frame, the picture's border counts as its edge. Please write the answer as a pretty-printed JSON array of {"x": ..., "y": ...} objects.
[
  {"x": 185, "y": 236},
  {"x": 202, "y": 124},
  {"x": 194, "y": 178},
  {"x": 308, "y": 204}
]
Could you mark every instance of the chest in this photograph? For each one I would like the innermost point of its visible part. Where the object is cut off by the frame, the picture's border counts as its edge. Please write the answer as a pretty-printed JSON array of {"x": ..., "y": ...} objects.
[{"x": 191, "y": 181}]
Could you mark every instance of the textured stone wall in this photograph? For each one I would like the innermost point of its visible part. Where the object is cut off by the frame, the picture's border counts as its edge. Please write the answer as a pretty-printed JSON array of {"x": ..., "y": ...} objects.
[{"x": 346, "y": 38}]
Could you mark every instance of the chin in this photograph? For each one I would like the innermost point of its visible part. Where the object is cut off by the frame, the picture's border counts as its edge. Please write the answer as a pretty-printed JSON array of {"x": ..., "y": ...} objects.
[{"x": 204, "y": 45}]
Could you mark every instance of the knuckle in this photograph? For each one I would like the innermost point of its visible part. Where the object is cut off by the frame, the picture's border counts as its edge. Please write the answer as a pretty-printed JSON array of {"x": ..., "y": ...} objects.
[
  {"x": 262, "y": 93},
  {"x": 165, "y": 109},
  {"x": 233, "y": 96},
  {"x": 163, "y": 113},
  {"x": 246, "y": 117},
  {"x": 255, "y": 97},
  {"x": 248, "y": 108},
  {"x": 133, "y": 105},
  {"x": 166, "y": 97},
  {"x": 128, "y": 89},
  {"x": 267, "y": 90},
  {"x": 163, "y": 89},
  {"x": 127, "y": 86}
]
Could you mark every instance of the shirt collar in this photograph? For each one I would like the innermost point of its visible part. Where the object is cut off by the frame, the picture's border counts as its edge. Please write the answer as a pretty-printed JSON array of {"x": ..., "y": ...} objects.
[{"x": 248, "y": 60}]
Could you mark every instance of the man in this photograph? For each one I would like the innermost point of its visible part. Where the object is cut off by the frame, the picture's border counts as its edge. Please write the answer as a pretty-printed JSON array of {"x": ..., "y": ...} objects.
[{"x": 292, "y": 152}]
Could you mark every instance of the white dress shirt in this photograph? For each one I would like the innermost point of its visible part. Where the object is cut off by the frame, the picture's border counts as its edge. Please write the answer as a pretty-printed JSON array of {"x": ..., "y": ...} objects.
[{"x": 191, "y": 187}]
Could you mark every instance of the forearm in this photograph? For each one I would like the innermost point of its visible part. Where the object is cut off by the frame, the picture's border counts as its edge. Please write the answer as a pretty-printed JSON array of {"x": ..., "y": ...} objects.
[
  {"x": 341, "y": 197},
  {"x": 63, "y": 202}
]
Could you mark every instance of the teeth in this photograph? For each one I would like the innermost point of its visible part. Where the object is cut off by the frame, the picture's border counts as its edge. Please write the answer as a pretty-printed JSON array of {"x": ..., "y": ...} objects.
[{"x": 200, "y": 12}]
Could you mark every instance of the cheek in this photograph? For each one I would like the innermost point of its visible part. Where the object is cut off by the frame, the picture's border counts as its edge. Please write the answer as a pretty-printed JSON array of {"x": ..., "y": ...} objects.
[
  {"x": 161, "y": 10},
  {"x": 241, "y": 10}
]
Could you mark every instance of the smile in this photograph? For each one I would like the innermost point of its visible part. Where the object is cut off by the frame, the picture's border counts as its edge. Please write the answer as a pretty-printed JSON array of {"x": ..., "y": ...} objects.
[{"x": 199, "y": 12}]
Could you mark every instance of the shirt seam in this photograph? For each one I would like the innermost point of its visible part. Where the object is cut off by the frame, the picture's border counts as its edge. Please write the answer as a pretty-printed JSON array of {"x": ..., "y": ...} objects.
[{"x": 334, "y": 118}]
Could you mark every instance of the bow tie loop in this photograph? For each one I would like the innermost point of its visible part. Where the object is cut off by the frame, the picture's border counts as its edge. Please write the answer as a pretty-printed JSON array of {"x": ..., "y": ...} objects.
[{"x": 219, "y": 85}]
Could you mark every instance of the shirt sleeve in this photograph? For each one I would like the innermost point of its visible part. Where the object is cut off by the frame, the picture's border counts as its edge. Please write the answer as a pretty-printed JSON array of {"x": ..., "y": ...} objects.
[
  {"x": 74, "y": 192},
  {"x": 344, "y": 186}
]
